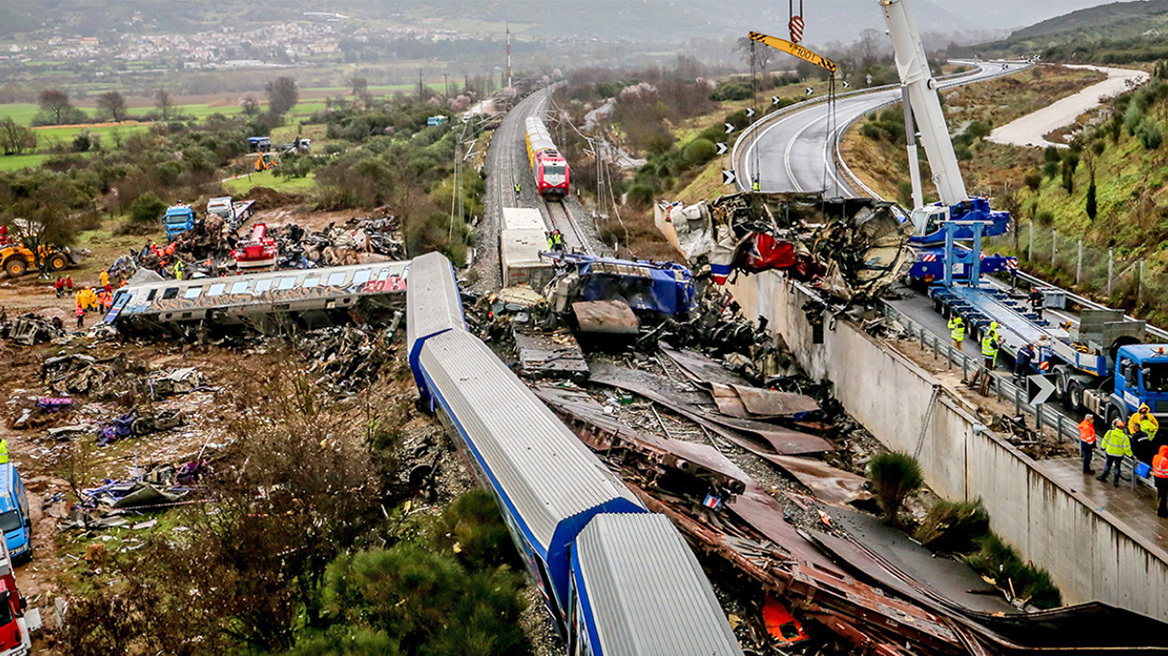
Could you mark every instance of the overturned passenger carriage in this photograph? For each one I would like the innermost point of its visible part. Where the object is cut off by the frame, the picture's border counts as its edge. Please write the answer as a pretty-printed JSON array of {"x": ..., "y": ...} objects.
[{"x": 309, "y": 298}]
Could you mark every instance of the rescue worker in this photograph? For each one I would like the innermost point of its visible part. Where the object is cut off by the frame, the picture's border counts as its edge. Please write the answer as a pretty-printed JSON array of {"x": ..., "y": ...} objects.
[
  {"x": 1116, "y": 445},
  {"x": 1160, "y": 475},
  {"x": 178, "y": 270},
  {"x": 989, "y": 346},
  {"x": 551, "y": 242},
  {"x": 557, "y": 240},
  {"x": 957, "y": 331},
  {"x": 105, "y": 279},
  {"x": 1087, "y": 442},
  {"x": 80, "y": 312},
  {"x": 4, "y": 451},
  {"x": 79, "y": 299},
  {"x": 69, "y": 284},
  {"x": 1022, "y": 362},
  {"x": 59, "y": 286},
  {"x": 1143, "y": 427},
  {"x": 518, "y": 189},
  {"x": 1036, "y": 301},
  {"x": 755, "y": 186}
]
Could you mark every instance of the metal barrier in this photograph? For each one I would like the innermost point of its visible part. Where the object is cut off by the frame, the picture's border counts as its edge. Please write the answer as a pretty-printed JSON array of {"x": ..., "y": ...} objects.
[{"x": 1045, "y": 416}]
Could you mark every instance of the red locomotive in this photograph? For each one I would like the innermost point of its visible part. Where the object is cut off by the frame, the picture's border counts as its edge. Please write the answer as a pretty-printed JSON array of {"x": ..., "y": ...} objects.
[{"x": 547, "y": 165}]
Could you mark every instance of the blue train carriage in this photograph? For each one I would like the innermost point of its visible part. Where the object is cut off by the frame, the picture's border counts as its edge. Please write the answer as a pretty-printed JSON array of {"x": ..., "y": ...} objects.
[
  {"x": 548, "y": 484},
  {"x": 433, "y": 305},
  {"x": 627, "y": 570}
]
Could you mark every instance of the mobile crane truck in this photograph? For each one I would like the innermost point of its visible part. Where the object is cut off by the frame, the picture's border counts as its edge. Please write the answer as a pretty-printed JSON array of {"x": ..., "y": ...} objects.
[{"x": 1100, "y": 366}]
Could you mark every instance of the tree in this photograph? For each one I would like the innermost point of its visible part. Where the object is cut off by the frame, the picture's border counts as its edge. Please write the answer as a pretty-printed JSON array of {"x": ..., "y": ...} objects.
[
  {"x": 57, "y": 103},
  {"x": 359, "y": 84},
  {"x": 250, "y": 105},
  {"x": 282, "y": 94},
  {"x": 15, "y": 138},
  {"x": 113, "y": 103},
  {"x": 163, "y": 103}
]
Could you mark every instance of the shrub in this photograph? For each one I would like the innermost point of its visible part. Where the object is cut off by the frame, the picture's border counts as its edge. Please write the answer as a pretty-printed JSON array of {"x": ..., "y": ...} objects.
[
  {"x": 699, "y": 151},
  {"x": 1034, "y": 181},
  {"x": 1000, "y": 561},
  {"x": 894, "y": 476},
  {"x": 147, "y": 209},
  {"x": 1149, "y": 134},
  {"x": 732, "y": 90},
  {"x": 640, "y": 195},
  {"x": 953, "y": 526},
  {"x": 978, "y": 129}
]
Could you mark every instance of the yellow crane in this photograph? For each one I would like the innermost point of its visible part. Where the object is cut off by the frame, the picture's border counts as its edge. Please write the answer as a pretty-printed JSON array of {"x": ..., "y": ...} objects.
[{"x": 793, "y": 49}]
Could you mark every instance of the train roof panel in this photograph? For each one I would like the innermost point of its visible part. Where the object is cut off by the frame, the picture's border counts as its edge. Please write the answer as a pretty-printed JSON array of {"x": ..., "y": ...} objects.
[
  {"x": 540, "y": 468},
  {"x": 433, "y": 303},
  {"x": 523, "y": 218},
  {"x": 522, "y": 247},
  {"x": 647, "y": 593}
]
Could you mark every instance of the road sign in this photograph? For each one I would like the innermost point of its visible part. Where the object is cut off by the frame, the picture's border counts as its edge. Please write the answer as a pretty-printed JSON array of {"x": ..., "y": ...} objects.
[
  {"x": 722, "y": 148},
  {"x": 774, "y": 100},
  {"x": 868, "y": 79},
  {"x": 1045, "y": 389},
  {"x": 749, "y": 112},
  {"x": 847, "y": 84},
  {"x": 728, "y": 177},
  {"x": 729, "y": 128},
  {"x": 810, "y": 91},
  {"x": 796, "y": 25}
]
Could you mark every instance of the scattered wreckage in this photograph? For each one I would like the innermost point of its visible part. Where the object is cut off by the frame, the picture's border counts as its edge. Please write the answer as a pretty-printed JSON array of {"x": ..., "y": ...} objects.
[
  {"x": 851, "y": 248},
  {"x": 30, "y": 329}
]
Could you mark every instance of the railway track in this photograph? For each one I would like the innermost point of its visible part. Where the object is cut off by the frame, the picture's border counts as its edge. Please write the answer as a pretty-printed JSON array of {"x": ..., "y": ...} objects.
[{"x": 561, "y": 218}]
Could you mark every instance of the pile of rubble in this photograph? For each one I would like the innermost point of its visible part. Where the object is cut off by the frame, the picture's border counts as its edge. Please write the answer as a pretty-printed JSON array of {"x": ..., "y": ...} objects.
[
  {"x": 30, "y": 329},
  {"x": 852, "y": 249},
  {"x": 112, "y": 503},
  {"x": 348, "y": 357}
]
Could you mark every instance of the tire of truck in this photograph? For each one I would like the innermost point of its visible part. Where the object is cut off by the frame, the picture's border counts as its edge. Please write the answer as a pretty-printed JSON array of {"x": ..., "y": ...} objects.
[
  {"x": 1075, "y": 396},
  {"x": 57, "y": 262},
  {"x": 1113, "y": 413},
  {"x": 15, "y": 266}
]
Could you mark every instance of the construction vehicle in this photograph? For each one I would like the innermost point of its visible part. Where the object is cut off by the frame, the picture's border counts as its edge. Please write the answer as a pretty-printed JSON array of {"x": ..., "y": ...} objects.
[
  {"x": 266, "y": 161},
  {"x": 257, "y": 252},
  {"x": 233, "y": 213},
  {"x": 18, "y": 259},
  {"x": 178, "y": 219},
  {"x": 259, "y": 144},
  {"x": 1100, "y": 365}
]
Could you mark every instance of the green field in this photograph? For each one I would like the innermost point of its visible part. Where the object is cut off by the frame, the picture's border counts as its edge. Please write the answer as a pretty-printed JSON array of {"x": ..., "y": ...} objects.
[
  {"x": 14, "y": 162},
  {"x": 266, "y": 179}
]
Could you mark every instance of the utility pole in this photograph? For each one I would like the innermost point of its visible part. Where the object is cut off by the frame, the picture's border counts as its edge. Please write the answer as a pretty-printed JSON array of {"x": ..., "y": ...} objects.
[
  {"x": 508, "y": 55},
  {"x": 446, "y": 83},
  {"x": 421, "y": 86}
]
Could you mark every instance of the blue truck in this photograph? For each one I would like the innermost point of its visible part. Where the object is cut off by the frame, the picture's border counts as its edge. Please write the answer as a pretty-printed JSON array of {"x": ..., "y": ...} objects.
[
  {"x": 15, "y": 520},
  {"x": 179, "y": 219}
]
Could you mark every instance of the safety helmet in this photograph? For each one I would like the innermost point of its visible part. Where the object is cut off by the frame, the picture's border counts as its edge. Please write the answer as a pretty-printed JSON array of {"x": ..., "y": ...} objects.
[{"x": 993, "y": 325}]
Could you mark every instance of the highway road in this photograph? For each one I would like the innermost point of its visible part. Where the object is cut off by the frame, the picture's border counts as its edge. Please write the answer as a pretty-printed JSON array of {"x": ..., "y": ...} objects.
[{"x": 795, "y": 151}]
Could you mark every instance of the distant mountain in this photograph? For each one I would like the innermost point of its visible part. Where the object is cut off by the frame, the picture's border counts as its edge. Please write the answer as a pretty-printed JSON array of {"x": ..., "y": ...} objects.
[
  {"x": 650, "y": 21},
  {"x": 1119, "y": 32}
]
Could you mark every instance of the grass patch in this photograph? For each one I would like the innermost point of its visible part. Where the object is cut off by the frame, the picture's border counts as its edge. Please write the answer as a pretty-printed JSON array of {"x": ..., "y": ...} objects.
[
  {"x": 16, "y": 162},
  {"x": 953, "y": 526},
  {"x": 241, "y": 186}
]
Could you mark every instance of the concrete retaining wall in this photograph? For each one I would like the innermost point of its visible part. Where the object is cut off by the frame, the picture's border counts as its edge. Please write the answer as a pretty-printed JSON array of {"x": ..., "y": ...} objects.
[{"x": 1087, "y": 550}]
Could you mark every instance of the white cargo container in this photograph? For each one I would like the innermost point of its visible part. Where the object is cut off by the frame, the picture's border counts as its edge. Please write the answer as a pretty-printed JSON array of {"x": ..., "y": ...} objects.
[{"x": 519, "y": 255}]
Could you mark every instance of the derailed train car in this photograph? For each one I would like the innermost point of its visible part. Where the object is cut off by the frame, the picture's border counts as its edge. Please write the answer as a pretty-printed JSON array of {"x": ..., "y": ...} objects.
[
  {"x": 570, "y": 517},
  {"x": 305, "y": 297}
]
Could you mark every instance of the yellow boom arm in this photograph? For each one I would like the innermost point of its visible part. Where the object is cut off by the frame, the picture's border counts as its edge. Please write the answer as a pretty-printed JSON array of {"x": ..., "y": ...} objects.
[{"x": 793, "y": 49}]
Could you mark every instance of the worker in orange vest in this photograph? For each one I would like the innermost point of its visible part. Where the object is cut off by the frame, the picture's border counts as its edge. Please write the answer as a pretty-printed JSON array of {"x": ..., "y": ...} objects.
[
  {"x": 1087, "y": 441},
  {"x": 1160, "y": 474}
]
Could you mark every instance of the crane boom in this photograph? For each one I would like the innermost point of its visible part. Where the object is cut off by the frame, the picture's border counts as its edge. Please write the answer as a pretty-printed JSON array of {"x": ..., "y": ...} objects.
[
  {"x": 793, "y": 49},
  {"x": 913, "y": 68}
]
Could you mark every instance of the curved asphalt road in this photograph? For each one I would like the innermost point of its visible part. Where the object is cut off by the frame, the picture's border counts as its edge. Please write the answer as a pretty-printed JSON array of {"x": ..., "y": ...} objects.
[{"x": 794, "y": 152}]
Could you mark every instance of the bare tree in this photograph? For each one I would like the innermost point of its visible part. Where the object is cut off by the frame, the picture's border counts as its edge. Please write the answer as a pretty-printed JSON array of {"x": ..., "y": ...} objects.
[
  {"x": 753, "y": 51},
  {"x": 250, "y": 105},
  {"x": 163, "y": 103},
  {"x": 114, "y": 104},
  {"x": 869, "y": 45},
  {"x": 282, "y": 94},
  {"x": 56, "y": 102},
  {"x": 15, "y": 138}
]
